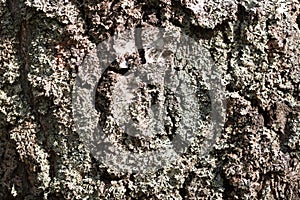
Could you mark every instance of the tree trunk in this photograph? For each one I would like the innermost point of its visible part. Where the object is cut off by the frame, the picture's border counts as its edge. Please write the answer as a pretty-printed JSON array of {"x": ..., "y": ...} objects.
[{"x": 237, "y": 97}]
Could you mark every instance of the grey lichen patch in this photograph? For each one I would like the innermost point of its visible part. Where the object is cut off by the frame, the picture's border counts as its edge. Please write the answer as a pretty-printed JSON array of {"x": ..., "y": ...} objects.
[
  {"x": 35, "y": 94},
  {"x": 209, "y": 13}
]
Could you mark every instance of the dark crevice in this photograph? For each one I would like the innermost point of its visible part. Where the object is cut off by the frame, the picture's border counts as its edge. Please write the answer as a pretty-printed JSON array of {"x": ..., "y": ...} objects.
[
  {"x": 255, "y": 103},
  {"x": 107, "y": 177},
  {"x": 275, "y": 175},
  {"x": 21, "y": 171},
  {"x": 193, "y": 30},
  {"x": 14, "y": 8},
  {"x": 176, "y": 23},
  {"x": 184, "y": 192},
  {"x": 179, "y": 8},
  {"x": 266, "y": 116},
  {"x": 230, "y": 87},
  {"x": 87, "y": 21},
  {"x": 287, "y": 132},
  {"x": 113, "y": 4},
  {"x": 128, "y": 190},
  {"x": 24, "y": 41},
  {"x": 8, "y": 176},
  {"x": 242, "y": 16},
  {"x": 102, "y": 99},
  {"x": 198, "y": 32},
  {"x": 139, "y": 43},
  {"x": 152, "y": 14},
  {"x": 56, "y": 196},
  {"x": 52, "y": 160},
  {"x": 242, "y": 13},
  {"x": 116, "y": 69},
  {"x": 6, "y": 195},
  {"x": 228, "y": 188},
  {"x": 25, "y": 35}
]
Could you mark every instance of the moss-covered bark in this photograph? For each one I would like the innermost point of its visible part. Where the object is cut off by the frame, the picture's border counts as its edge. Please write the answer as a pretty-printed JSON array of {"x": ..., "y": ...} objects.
[{"x": 255, "y": 47}]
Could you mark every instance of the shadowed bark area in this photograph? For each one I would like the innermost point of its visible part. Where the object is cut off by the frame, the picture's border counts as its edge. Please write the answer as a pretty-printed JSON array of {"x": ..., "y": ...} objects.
[{"x": 255, "y": 53}]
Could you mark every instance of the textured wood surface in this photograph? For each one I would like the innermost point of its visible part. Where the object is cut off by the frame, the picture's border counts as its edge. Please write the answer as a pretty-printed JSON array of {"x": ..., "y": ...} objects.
[{"x": 254, "y": 46}]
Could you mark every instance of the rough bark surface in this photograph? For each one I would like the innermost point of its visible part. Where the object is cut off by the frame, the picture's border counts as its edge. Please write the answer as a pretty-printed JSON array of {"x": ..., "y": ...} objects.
[{"x": 255, "y": 47}]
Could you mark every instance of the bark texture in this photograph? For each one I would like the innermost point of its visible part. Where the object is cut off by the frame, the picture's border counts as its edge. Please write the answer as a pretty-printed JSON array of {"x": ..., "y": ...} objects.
[{"x": 255, "y": 49}]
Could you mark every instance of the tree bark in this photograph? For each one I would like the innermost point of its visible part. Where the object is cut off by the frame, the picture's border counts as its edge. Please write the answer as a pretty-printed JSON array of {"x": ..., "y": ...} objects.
[{"x": 254, "y": 47}]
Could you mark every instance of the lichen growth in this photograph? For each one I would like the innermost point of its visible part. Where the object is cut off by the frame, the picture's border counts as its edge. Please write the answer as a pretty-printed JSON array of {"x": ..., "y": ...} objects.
[{"x": 255, "y": 48}]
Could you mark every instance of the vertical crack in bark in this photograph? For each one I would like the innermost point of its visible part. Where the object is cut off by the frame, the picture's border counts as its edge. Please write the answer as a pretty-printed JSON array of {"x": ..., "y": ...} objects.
[
  {"x": 24, "y": 44},
  {"x": 23, "y": 36},
  {"x": 139, "y": 43},
  {"x": 184, "y": 192},
  {"x": 24, "y": 58},
  {"x": 21, "y": 25}
]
